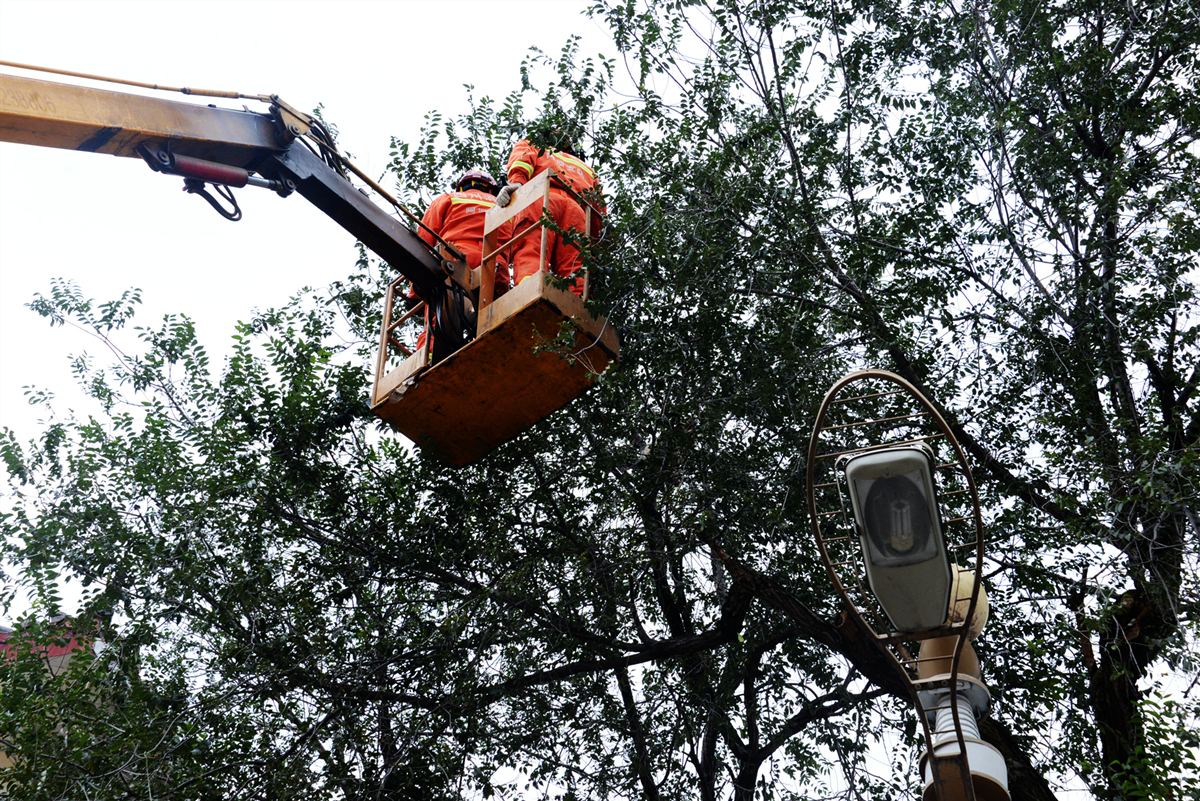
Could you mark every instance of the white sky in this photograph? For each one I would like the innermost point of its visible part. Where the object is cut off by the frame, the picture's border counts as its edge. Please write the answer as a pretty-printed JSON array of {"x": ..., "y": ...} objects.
[{"x": 110, "y": 224}]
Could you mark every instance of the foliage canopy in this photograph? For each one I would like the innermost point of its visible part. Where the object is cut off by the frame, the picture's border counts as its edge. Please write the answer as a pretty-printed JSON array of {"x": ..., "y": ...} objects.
[{"x": 995, "y": 201}]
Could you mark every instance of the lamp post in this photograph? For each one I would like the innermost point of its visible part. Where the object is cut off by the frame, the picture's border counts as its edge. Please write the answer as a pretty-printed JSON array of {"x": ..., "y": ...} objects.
[{"x": 877, "y": 451}]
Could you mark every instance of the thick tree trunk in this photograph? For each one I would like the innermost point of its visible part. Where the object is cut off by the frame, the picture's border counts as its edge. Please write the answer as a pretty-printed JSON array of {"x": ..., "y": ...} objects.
[{"x": 1127, "y": 646}]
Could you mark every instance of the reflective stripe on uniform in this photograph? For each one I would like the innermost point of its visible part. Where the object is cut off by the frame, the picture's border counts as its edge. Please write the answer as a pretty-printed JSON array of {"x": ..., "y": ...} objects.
[
  {"x": 524, "y": 166},
  {"x": 569, "y": 159},
  {"x": 472, "y": 201}
]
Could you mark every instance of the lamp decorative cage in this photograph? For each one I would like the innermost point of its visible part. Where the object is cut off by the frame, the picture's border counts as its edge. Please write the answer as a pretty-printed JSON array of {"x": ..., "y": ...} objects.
[{"x": 882, "y": 454}]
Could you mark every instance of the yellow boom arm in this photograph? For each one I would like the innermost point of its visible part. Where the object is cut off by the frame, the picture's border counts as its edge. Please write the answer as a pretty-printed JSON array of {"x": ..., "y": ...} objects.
[{"x": 208, "y": 144}]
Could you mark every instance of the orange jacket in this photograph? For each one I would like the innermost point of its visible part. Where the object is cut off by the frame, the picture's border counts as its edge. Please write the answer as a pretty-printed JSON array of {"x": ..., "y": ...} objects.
[
  {"x": 457, "y": 217},
  {"x": 527, "y": 160}
]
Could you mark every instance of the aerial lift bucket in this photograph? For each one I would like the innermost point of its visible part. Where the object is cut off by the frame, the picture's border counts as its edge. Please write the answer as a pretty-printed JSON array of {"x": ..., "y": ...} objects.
[{"x": 535, "y": 350}]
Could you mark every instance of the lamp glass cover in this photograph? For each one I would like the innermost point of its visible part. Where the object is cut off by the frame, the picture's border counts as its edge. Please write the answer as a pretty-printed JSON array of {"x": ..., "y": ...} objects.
[{"x": 898, "y": 519}]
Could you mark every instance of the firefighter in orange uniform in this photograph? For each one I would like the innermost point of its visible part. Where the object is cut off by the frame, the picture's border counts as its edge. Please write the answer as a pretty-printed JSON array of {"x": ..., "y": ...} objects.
[
  {"x": 562, "y": 258},
  {"x": 457, "y": 217}
]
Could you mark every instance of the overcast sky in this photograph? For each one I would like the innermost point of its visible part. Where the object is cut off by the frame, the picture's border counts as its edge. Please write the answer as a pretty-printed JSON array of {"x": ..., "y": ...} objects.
[{"x": 110, "y": 224}]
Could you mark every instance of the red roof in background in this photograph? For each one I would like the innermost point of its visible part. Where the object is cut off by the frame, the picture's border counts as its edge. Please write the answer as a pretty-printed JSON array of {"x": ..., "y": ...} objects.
[{"x": 9, "y": 640}]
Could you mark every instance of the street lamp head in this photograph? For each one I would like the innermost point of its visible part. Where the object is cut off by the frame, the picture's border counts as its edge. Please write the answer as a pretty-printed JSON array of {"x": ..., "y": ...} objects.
[{"x": 895, "y": 508}]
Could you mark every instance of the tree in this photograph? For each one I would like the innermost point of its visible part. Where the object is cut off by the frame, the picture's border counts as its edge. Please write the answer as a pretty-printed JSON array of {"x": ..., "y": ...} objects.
[
  {"x": 1001, "y": 197},
  {"x": 624, "y": 602}
]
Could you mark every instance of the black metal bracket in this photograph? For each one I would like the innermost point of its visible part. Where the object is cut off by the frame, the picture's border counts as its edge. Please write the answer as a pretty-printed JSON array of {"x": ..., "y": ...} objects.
[{"x": 342, "y": 202}]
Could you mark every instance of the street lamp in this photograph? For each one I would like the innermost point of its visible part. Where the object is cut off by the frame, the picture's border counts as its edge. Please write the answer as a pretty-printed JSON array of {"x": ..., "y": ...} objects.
[
  {"x": 876, "y": 513},
  {"x": 899, "y": 527}
]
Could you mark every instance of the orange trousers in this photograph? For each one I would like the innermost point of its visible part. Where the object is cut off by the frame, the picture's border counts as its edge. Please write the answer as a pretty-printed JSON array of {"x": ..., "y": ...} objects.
[{"x": 562, "y": 257}]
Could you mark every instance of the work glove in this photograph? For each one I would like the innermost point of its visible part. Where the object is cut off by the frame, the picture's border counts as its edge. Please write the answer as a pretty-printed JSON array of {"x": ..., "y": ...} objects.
[{"x": 506, "y": 194}]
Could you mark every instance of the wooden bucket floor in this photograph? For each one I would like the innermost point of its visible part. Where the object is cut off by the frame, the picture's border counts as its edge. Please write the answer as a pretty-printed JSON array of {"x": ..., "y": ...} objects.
[{"x": 497, "y": 386}]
